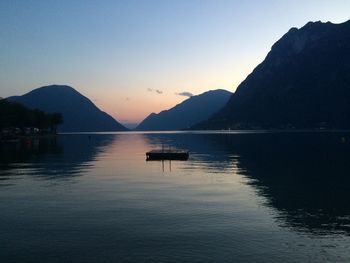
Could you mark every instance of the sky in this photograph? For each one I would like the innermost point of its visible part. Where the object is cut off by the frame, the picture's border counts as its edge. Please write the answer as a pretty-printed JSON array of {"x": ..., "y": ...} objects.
[{"x": 132, "y": 57}]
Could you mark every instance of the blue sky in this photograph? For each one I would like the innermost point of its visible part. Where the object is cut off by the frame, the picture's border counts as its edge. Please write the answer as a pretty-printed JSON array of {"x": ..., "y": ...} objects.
[{"x": 119, "y": 53}]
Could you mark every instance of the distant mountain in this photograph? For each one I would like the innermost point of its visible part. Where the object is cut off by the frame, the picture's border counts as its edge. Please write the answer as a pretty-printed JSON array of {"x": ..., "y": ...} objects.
[
  {"x": 130, "y": 125},
  {"x": 304, "y": 82},
  {"x": 79, "y": 113},
  {"x": 189, "y": 112}
]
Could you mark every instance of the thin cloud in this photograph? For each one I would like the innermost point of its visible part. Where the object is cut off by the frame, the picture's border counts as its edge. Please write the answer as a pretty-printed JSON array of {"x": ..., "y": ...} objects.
[
  {"x": 155, "y": 90},
  {"x": 185, "y": 94}
]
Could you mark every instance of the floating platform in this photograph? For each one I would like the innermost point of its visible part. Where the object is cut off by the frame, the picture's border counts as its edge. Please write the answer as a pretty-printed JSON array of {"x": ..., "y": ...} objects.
[{"x": 158, "y": 155}]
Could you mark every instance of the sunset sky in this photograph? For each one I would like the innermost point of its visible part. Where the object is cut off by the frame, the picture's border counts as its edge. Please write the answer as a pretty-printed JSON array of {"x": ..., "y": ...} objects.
[{"x": 132, "y": 58}]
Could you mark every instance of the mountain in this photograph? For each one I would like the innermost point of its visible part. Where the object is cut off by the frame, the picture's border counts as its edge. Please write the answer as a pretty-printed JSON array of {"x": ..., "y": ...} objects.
[
  {"x": 191, "y": 111},
  {"x": 130, "y": 125},
  {"x": 79, "y": 113},
  {"x": 304, "y": 82}
]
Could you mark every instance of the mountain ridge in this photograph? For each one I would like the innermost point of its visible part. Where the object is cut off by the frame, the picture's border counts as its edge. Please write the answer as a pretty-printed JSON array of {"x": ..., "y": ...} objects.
[
  {"x": 303, "y": 82},
  {"x": 79, "y": 113},
  {"x": 185, "y": 114}
]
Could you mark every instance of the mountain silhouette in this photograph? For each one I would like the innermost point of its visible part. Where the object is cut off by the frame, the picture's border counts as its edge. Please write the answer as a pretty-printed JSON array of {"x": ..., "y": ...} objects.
[
  {"x": 184, "y": 115},
  {"x": 79, "y": 113},
  {"x": 304, "y": 82}
]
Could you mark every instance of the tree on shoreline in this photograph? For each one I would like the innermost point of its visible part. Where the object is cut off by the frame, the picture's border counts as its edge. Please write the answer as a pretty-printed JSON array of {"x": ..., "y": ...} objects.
[{"x": 16, "y": 115}]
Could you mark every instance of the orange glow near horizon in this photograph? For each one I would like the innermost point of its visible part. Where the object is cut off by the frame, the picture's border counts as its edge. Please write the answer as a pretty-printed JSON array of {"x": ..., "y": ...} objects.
[
  {"x": 136, "y": 108},
  {"x": 128, "y": 104}
]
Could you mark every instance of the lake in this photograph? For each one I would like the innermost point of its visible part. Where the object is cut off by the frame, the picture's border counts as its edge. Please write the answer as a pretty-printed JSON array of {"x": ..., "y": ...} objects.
[{"x": 241, "y": 197}]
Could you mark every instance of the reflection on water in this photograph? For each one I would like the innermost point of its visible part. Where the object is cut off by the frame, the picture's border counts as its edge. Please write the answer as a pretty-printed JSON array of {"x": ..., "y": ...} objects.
[
  {"x": 246, "y": 197},
  {"x": 51, "y": 157},
  {"x": 305, "y": 176}
]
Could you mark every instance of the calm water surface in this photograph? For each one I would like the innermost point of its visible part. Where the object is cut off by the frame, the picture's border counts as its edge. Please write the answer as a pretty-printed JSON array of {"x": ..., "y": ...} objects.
[{"x": 241, "y": 197}]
